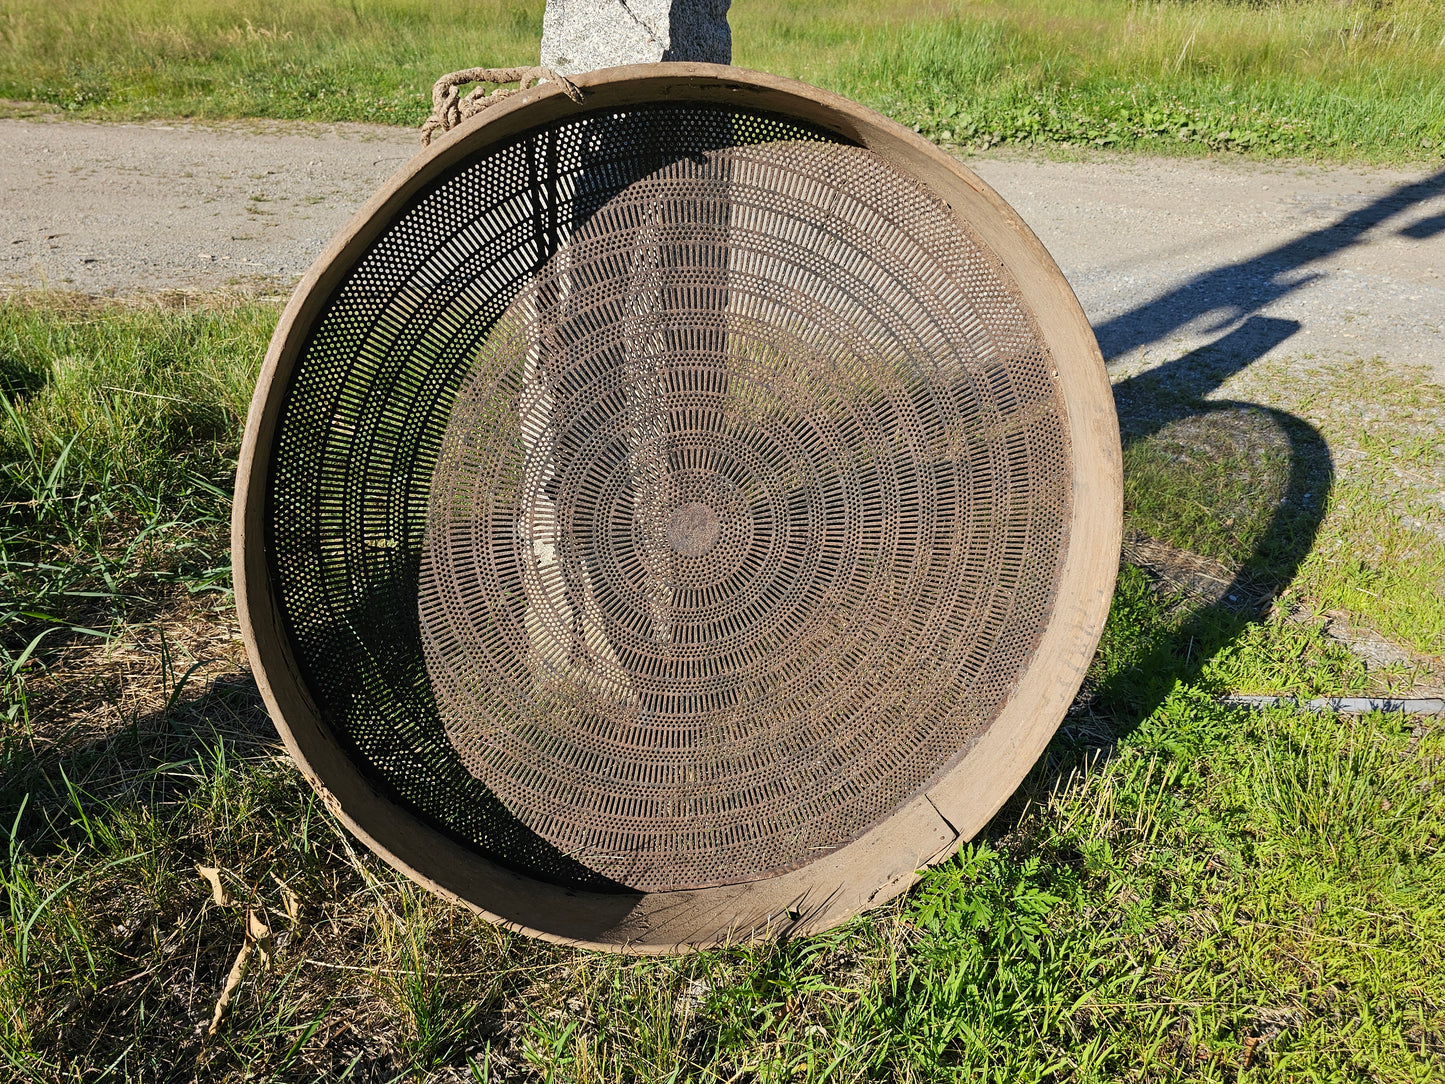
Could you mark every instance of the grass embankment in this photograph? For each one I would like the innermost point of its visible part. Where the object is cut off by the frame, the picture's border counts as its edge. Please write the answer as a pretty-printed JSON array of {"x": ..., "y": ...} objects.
[
  {"x": 1180, "y": 891},
  {"x": 1317, "y": 78}
]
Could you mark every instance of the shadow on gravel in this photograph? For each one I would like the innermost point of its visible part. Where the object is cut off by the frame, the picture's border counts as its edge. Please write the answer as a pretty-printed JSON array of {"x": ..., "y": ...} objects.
[
  {"x": 1425, "y": 229},
  {"x": 1239, "y": 290}
]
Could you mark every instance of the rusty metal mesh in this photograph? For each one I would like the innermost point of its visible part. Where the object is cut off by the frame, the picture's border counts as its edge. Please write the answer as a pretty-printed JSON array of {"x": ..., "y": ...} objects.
[{"x": 667, "y": 497}]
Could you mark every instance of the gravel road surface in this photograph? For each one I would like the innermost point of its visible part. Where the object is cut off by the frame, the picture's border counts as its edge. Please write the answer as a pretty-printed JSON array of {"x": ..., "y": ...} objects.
[{"x": 1166, "y": 255}]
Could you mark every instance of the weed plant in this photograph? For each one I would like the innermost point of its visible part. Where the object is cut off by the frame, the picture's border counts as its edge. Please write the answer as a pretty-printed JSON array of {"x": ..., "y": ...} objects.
[{"x": 1331, "y": 79}]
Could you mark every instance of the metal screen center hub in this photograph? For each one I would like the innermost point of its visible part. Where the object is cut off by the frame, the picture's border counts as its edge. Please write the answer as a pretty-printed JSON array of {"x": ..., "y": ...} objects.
[{"x": 692, "y": 529}]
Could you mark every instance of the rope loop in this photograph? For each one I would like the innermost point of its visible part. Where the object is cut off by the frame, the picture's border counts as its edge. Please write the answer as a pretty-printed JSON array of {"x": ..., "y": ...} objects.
[{"x": 449, "y": 108}]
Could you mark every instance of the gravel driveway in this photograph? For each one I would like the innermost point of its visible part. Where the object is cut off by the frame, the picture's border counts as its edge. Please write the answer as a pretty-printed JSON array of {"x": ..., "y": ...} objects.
[{"x": 1166, "y": 255}]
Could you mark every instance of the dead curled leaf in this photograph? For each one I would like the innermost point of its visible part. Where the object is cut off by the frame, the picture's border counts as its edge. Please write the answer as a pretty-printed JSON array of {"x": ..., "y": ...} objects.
[
  {"x": 218, "y": 891},
  {"x": 257, "y": 941},
  {"x": 258, "y": 932},
  {"x": 233, "y": 980},
  {"x": 289, "y": 901}
]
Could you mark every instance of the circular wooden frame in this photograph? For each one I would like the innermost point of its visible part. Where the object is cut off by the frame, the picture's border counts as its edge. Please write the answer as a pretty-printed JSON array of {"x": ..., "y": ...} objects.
[{"x": 884, "y": 861}]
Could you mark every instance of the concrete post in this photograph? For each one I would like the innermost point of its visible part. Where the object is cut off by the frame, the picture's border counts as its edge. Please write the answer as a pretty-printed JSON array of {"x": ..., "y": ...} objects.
[
  {"x": 580, "y": 35},
  {"x": 564, "y": 622}
]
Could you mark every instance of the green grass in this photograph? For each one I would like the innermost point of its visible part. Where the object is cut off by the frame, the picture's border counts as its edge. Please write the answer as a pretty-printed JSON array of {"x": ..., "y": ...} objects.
[
  {"x": 1180, "y": 891},
  {"x": 1386, "y": 561},
  {"x": 1317, "y": 78},
  {"x": 116, "y": 460}
]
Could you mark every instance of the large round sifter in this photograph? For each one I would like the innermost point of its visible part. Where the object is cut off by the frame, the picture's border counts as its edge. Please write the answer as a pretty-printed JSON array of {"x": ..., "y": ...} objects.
[{"x": 676, "y": 516}]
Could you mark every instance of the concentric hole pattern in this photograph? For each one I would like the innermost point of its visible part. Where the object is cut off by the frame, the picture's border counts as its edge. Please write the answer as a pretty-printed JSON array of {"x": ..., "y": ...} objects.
[{"x": 668, "y": 497}]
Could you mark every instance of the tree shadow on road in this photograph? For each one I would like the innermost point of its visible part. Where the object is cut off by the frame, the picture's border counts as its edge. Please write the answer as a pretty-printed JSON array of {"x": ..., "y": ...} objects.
[{"x": 1236, "y": 291}]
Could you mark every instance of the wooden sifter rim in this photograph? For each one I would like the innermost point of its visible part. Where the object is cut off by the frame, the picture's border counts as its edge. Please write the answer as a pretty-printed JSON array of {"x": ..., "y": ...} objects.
[{"x": 882, "y": 862}]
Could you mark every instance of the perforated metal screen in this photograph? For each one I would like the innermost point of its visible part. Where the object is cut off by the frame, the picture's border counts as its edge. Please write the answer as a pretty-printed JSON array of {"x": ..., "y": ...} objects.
[{"x": 667, "y": 497}]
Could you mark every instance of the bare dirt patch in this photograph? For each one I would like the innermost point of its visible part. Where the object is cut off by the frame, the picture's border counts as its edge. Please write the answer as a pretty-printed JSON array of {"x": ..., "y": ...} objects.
[{"x": 184, "y": 650}]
